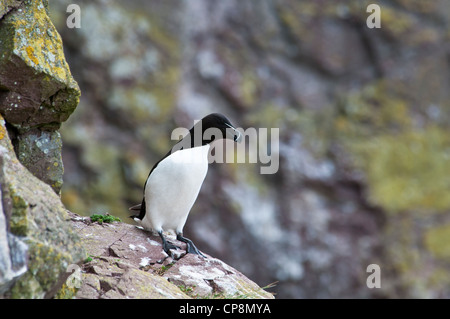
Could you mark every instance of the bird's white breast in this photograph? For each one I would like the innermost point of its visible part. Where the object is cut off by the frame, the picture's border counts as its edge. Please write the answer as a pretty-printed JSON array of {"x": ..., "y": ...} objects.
[{"x": 173, "y": 187}]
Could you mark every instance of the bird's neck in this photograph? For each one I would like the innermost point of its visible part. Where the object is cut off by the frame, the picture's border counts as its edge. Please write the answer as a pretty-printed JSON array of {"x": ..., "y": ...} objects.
[
  {"x": 191, "y": 140},
  {"x": 195, "y": 139}
]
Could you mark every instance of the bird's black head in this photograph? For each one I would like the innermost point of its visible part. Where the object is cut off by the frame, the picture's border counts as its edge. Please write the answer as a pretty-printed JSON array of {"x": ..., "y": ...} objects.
[{"x": 213, "y": 127}]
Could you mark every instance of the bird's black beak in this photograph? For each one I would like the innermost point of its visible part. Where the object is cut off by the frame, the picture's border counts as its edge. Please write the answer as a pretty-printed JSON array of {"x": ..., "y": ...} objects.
[{"x": 233, "y": 133}]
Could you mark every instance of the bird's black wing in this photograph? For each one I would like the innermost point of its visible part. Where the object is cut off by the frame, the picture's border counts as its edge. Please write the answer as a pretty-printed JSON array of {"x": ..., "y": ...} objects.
[{"x": 141, "y": 207}]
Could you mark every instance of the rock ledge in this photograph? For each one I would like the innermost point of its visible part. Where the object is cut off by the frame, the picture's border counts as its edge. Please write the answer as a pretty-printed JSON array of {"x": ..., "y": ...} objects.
[{"x": 127, "y": 262}]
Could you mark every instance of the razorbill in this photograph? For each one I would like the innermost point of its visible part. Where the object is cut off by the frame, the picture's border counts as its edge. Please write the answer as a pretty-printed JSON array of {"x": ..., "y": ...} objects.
[{"x": 174, "y": 182}]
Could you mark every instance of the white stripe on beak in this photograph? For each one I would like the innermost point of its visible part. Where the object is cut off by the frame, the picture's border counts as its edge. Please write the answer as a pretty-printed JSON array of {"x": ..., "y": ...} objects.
[{"x": 236, "y": 135}]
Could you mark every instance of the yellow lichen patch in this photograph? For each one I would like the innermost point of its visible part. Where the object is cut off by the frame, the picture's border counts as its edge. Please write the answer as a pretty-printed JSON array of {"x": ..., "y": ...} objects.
[
  {"x": 42, "y": 48},
  {"x": 31, "y": 56},
  {"x": 2, "y": 132}
]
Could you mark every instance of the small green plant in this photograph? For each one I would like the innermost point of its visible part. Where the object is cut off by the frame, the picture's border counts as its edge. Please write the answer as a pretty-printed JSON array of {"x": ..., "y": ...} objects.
[
  {"x": 186, "y": 289},
  {"x": 104, "y": 218},
  {"x": 161, "y": 270}
]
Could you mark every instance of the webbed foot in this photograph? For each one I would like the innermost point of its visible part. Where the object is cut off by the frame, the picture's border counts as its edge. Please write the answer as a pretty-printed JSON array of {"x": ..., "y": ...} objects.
[
  {"x": 190, "y": 247},
  {"x": 167, "y": 245}
]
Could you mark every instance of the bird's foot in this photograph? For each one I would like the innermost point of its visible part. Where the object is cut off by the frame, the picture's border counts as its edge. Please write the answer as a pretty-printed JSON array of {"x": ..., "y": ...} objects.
[
  {"x": 167, "y": 245},
  {"x": 190, "y": 247}
]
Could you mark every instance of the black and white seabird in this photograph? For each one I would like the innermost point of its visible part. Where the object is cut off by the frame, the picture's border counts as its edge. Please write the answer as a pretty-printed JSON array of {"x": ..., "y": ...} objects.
[{"x": 174, "y": 182}]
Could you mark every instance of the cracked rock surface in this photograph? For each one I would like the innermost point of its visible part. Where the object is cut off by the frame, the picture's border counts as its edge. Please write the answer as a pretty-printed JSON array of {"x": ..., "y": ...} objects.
[{"x": 127, "y": 262}]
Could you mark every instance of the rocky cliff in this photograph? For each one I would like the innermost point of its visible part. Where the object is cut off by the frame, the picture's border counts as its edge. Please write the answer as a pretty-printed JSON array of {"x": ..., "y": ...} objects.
[
  {"x": 37, "y": 90},
  {"x": 40, "y": 241},
  {"x": 37, "y": 93},
  {"x": 363, "y": 117}
]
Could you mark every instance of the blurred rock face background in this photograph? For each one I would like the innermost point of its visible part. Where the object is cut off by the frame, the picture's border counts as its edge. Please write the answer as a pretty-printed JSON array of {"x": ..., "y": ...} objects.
[{"x": 364, "y": 147}]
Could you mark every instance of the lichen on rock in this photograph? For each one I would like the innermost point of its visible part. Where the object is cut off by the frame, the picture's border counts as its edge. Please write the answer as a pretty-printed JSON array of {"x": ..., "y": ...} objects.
[
  {"x": 40, "y": 152},
  {"x": 34, "y": 75},
  {"x": 37, "y": 90},
  {"x": 37, "y": 217},
  {"x": 37, "y": 94},
  {"x": 363, "y": 117}
]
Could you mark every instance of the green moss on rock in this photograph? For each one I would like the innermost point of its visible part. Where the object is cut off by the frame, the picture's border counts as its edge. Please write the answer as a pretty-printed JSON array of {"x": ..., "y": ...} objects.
[{"x": 104, "y": 218}]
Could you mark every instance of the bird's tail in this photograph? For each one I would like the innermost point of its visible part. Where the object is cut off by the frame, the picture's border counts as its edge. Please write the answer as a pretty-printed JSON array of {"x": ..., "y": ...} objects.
[
  {"x": 140, "y": 208},
  {"x": 135, "y": 207}
]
